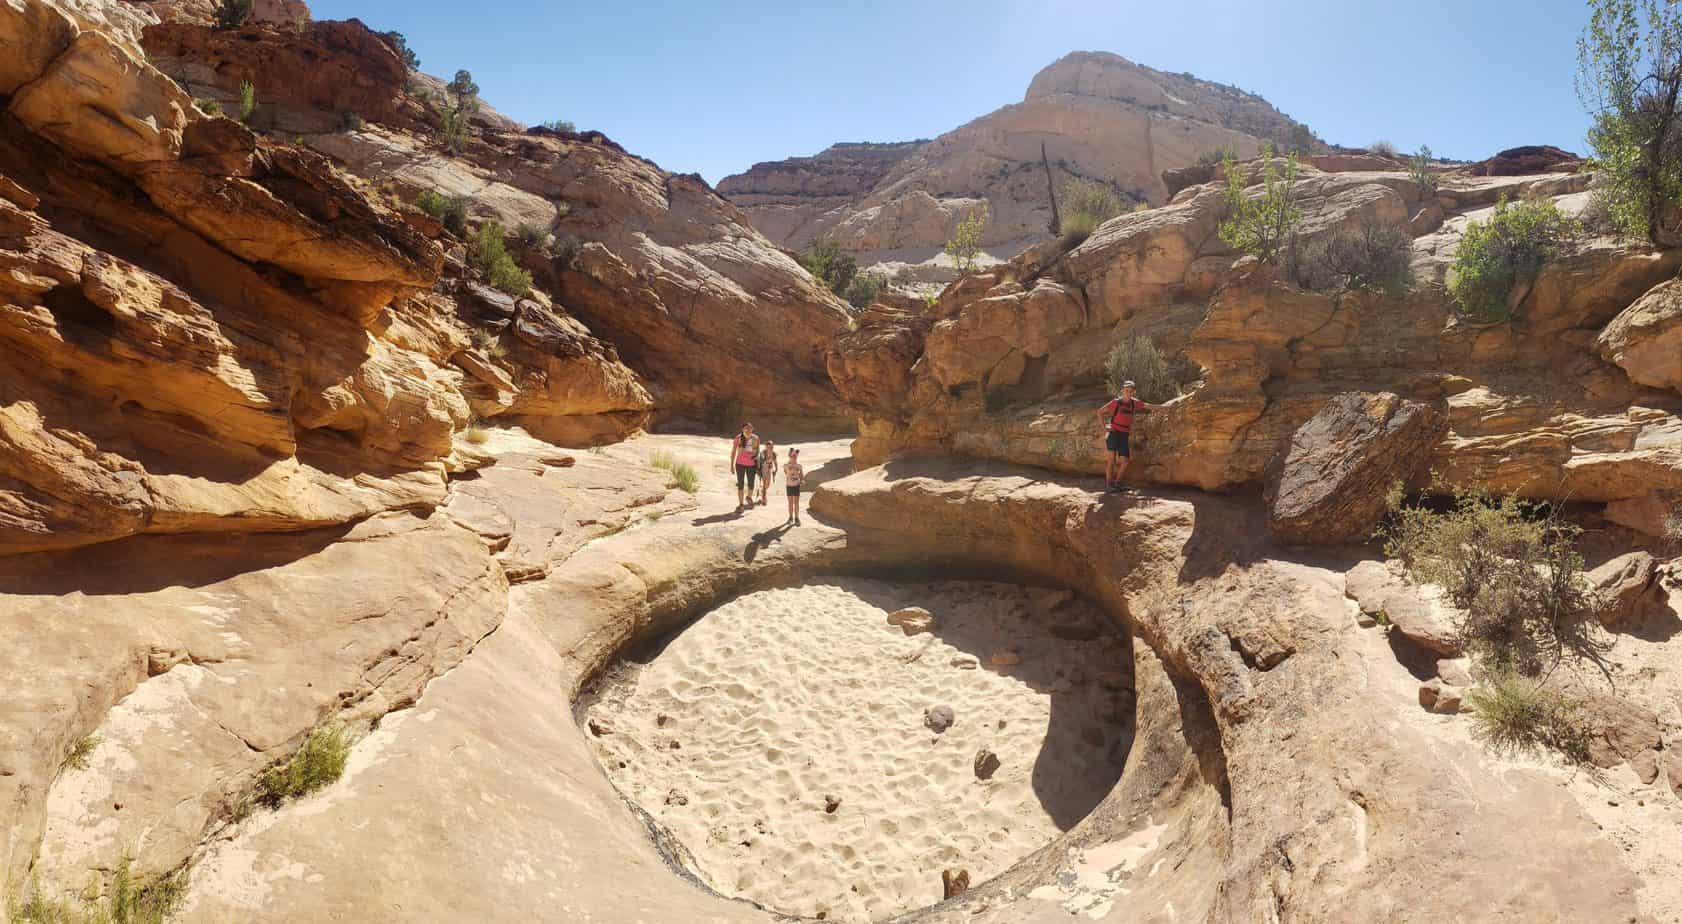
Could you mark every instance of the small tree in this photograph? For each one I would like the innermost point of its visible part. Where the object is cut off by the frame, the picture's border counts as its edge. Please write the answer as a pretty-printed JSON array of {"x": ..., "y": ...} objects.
[
  {"x": 452, "y": 131},
  {"x": 450, "y": 210},
  {"x": 561, "y": 126},
  {"x": 231, "y": 14},
  {"x": 464, "y": 93},
  {"x": 1629, "y": 77},
  {"x": 829, "y": 265},
  {"x": 1383, "y": 148},
  {"x": 247, "y": 101},
  {"x": 487, "y": 252},
  {"x": 1137, "y": 359},
  {"x": 1419, "y": 171},
  {"x": 965, "y": 245},
  {"x": 401, "y": 44},
  {"x": 863, "y": 289},
  {"x": 1510, "y": 247},
  {"x": 1264, "y": 225}
]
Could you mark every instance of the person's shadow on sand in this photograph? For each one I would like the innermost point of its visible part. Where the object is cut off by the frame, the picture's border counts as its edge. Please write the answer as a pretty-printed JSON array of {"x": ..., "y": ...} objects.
[{"x": 762, "y": 539}]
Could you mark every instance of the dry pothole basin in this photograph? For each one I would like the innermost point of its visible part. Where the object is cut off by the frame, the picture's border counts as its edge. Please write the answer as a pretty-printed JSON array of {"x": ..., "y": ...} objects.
[{"x": 839, "y": 748}]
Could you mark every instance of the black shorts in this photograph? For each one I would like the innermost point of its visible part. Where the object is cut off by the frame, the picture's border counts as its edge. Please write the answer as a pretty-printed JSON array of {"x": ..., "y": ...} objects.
[
  {"x": 793, "y": 490},
  {"x": 745, "y": 475},
  {"x": 1117, "y": 443}
]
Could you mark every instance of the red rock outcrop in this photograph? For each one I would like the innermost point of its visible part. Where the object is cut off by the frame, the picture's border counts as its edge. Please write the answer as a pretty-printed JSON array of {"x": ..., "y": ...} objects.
[{"x": 1012, "y": 362}]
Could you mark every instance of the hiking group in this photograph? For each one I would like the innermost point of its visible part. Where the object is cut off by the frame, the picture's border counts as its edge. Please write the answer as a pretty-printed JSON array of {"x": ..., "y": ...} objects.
[
  {"x": 755, "y": 461},
  {"x": 1117, "y": 417}
]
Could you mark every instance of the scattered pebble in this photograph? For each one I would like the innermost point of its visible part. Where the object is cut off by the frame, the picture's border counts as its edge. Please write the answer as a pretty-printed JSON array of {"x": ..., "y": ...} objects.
[
  {"x": 599, "y": 728},
  {"x": 965, "y": 663},
  {"x": 939, "y": 718},
  {"x": 831, "y": 803},
  {"x": 986, "y": 764},
  {"x": 954, "y": 882}
]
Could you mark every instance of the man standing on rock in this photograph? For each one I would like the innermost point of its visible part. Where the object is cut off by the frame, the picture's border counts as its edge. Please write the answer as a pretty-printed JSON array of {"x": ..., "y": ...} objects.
[{"x": 1118, "y": 418}]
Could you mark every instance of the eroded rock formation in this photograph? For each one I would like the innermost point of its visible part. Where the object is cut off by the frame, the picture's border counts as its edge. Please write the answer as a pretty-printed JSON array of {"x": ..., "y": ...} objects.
[
  {"x": 1009, "y": 363},
  {"x": 1100, "y": 116}
]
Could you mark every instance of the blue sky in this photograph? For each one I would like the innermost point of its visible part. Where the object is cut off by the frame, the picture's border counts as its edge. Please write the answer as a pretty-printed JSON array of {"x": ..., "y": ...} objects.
[{"x": 711, "y": 88}]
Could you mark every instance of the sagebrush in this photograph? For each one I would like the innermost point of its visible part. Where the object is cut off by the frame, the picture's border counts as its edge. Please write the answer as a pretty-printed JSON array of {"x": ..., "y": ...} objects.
[
  {"x": 1374, "y": 256},
  {"x": 125, "y": 902},
  {"x": 1086, "y": 205},
  {"x": 487, "y": 252},
  {"x": 1136, "y": 358},
  {"x": 449, "y": 210},
  {"x": 1496, "y": 255},
  {"x": 1516, "y": 715},
  {"x": 965, "y": 246}
]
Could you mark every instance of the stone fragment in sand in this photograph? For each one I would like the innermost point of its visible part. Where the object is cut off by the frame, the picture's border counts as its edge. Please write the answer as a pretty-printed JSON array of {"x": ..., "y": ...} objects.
[
  {"x": 912, "y": 620},
  {"x": 939, "y": 718},
  {"x": 986, "y": 764}
]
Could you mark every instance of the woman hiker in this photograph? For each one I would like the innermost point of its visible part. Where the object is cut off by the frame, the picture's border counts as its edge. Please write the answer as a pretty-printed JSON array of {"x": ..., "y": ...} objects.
[
  {"x": 1119, "y": 414},
  {"x": 767, "y": 468},
  {"x": 744, "y": 455},
  {"x": 795, "y": 476}
]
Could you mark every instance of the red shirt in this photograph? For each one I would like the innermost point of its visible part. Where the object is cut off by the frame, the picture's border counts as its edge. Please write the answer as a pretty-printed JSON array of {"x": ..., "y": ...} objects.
[{"x": 1120, "y": 412}]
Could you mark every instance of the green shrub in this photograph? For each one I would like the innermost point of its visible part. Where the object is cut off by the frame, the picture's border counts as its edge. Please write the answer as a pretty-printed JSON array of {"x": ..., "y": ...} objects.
[
  {"x": 1672, "y": 532},
  {"x": 829, "y": 265},
  {"x": 560, "y": 125},
  {"x": 452, "y": 131},
  {"x": 209, "y": 107},
  {"x": 401, "y": 44},
  {"x": 1629, "y": 76},
  {"x": 231, "y": 14},
  {"x": 1517, "y": 715},
  {"x": 863, "y": 289},
  {"x": 1497, "y": 254},
  {"x": 1262, "y": 226},
  {"x": 565, "y": 251},
  {"x": 487, "y": 252},
  {"x": 464, "y": 92},
  {"x": 965, "y": 246},
  {"x": 488, "y": 342},
  {"x": 319, "y": 762},
  {"x": 1299, "y": 140},
  {"x": 1419, "y": 171},
  {"x": 1209, "y": 157},
  {"x": 684, "y": 476},
  {"x": 1511, "y": 568},
  {"x": 77, "y": 759},
  {"x": 125, "y": 902},
  {"x": 1137, "y": 358},
  {"x": 1383, "y": 149},
  {"x": 662, "y": 459},
  {"x": 1375, "y": 256},
  {"x": 532, "y": 237},
  {"x": 1086, "y": 205},
  {"x": 247, "y": 100},
  {"x": 450, "y": 210}
]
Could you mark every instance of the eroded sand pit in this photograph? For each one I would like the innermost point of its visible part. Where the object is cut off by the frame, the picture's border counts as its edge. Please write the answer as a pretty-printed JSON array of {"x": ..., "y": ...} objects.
[{"x": 784, "y": 739}]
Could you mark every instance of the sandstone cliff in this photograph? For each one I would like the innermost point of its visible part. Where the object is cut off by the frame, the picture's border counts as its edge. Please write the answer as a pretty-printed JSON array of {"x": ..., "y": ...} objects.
[
  {"x": 1565, "y": 402},
  {"x": 1100, "y": 116}
]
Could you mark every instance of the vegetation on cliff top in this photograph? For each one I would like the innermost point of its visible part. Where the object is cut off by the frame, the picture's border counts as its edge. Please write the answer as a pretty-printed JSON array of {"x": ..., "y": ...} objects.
[
  {"x": 1497, "y": 255},
  {"x": 1264, "y": 225},
  {"x": 1629, "y": 77}
]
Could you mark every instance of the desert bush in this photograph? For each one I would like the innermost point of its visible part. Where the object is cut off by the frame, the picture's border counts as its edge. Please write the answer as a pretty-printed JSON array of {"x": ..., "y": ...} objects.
[
  {"x": 401, "y": 44},
  {"x": 452, "y": 131},
  {"x": 488, "y": 342},
  {"x": 1419, "y": 171},
  {"x": 1629, "y": 77},
  {"x": 1209, "y": 157},
  {"x": 77, "y": 759},
  {"x": 1264, "y": 225},
  {"x": 476, "y": 433},
  {"x": 350, "y": 121},
  {"x": 450, "y": 210},
  {"x": 319, "y": 762},
  {"x": 565, "y": 251},
  {"x": 487, "y": 252},
  {"x": 1497, "y": 254},
  {"x": 683, "y": 474},
  {"x": 247, "y": 100},
  {"x": 1518, "y": 715},
  {"x": 1087, "y": 204},
  {"x": 829, "y": 265},
  {"x": 965, "y": 246},
  {"x": 1299, "y": 140},
  {"x": 209, "y": 107},
  {"x": 1512, "y": 569},
  {"x": 1137, "y": 358},
  {"x": 231, "y": 14},
  {"x": 560, "y": 125},
  {"x": 1374, "y": 256},
  {"x": 127, "y": 902},
  {"x": 1671, "y": 532},
  {"x": 533, "y": 237},
  {"x": 863, "y": 289},
  {"x": 1383, "y": 149}
]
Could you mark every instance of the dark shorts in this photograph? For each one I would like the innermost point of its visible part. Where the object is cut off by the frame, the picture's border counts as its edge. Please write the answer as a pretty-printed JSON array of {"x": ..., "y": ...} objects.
[
  {"x": 793, "y": 490},
  {"x": 1116, "y": 443},
  {"x": 745, "y": 475}
]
